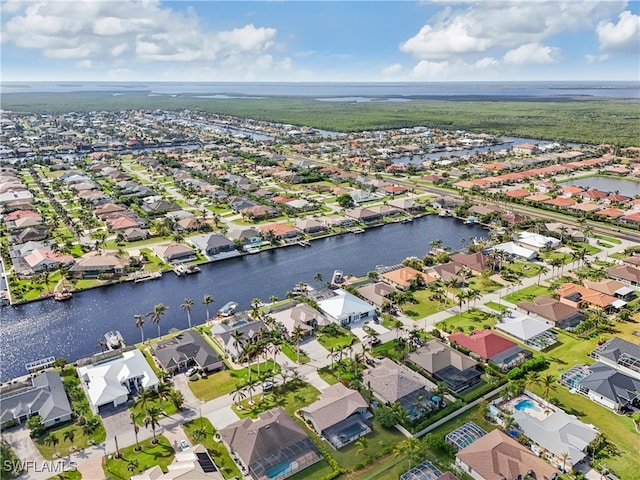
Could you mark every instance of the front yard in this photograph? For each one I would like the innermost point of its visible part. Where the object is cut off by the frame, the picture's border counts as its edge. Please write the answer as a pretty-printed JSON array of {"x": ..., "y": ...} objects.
[
  {"x": 334, "y": 337},
  {"x": 220, "y": 383},
  {"x": 468, "y": 321},
  {"x": 528, "y": 293},
  {"x": 201, "y": 431},
  {"x": 133, "y": 462}
]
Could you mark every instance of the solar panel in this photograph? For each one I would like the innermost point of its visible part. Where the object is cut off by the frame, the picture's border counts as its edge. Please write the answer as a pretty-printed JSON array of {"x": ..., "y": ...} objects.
[{"x": 205, "y": 462}]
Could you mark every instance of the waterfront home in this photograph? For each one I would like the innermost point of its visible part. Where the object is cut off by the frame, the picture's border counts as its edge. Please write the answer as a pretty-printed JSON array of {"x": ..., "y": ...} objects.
[
  {"x": 566, "y": 231},
  {"x": 212, "y": 244},
  {"x": 339, "y": 416},
  {"x": 273, "y": 446},
  {"x": 301, "y": 315},
  {"x": 111, "y": 382},
  {"x": 625, "y": 273},
  {"x": 279, "y": 230},
  {"x": 620, "y": 354},
  {"x": 447, "y": 364},
  {"x": 195, "y": 463},
  {"x": 390, "y": 383},
  {"x": 42, "y": 259},
  {"x": 552, "y": 311},
  {"x": 496, "y": 456},
  {"x": 21, "y": 250},
  {"x": 406, "y": 204},
  {"x": 404, "y": 277},
  {"x": 604, "y": 385},
  {"x": 447, "y": 271},
  {"x": 476, "y": 262},
  {"x": 96, "y": 264},
  {"x": 310, "y": 225},
  {"x": 344, "y": 308},
  {"x": 491, "y": 346},
  {"x": 175, "y": 253},
  {"x": 376, "y": 293},
  {"x": 362, "y": 214},
  {"x": 245, "y": 235},
  {"x": 247, "y": 328},
  {"x": 45, "y": 396},
  {"x": 514, "y": 250},
  {"x": 531, "y": 332},
  {"x": 535, "y": 241},
  {"x": 186, "y": 350}
]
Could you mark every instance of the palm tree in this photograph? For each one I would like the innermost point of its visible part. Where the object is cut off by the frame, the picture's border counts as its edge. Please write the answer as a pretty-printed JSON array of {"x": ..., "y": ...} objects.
[
  {"x": 255, "y": 306},
  {"x": 152, "y": 419},
  {"x": 52, "y": 440},
  {"x": 532, "y": 379},
  {"x": 177, "y": 399},
  {"x": 144, "y": 395},
  {"x": 564, "y": 456},
  {"x": 186, "y": 306},
  {"x": 158, "y": 311},
  {"x": 207, "y": 300},
  {"x": 275, "y": 349},
  {"x": 134, "y": 421},
  {"x": 318, "y": 277},
  {"x": 250, "y": 388},
  {"x": 69, "y": 435},
  {"x": 238, "y": 395},
  {"x": 132, "y": 465},
  {"x": 238, "y": 342},
  {"x": 543, "y": 271},
  {"x": 362, "y": 444},
  {"x": 297, "y": 334},
  {"x": 140, "y": 323},
  {"x": 548, "y": 383}
]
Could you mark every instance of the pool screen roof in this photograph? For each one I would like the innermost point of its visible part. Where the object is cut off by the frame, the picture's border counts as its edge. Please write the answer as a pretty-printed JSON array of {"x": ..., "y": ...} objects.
[{"x": 465, "y": 435}]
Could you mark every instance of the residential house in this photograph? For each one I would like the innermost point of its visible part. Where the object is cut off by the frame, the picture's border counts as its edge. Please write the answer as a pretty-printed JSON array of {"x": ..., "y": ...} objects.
[
  {"x": 175, "y": 253},
  {"x": 159, "y": 207},
  {"x": 496, "y": 456},
  {"x": 245, "y": 236},
  {"x": 404, "y": 277},
  {"x": 577, "y": 295},
  {"x": 535, "y": 241},
  {"x": 310, "y": 226},
  {"x": 475, "y": 262},
  {"x": 273, "y": 446},
  {"x": 625, "y": 273},
  {"x": 362, "y": 214},
  {"x": 94, "y": 264},
  {"x": 513, "y": 250},
  {"x": 223, "y": 333},
  {"x": 110, "y": 382},
  {"x": 213, "y": 244},
  {"x": 186, "y": 350},
  {"x": 531, "y": 332},
  {"x": 259, "y": 212},
  {"x": 301, "y": 315},
  {"x": 611, "y": 287},
  {"x": 133, "y": 234},
  {"x": 621, "y": 355},
  {"x": 29, "y": 234},
  {"x": 279, "y": 230},
  {"x": 553, "y": 312},
  {"x": 391, "y": 383},
  {"x": 339, "y": 416},
  {"x": 43, "y": 259},
  {"x": 45, "y": 397},
  {"x": 447, "y": 364},
  {"x": 192, "y": 464},
  {"x": 406, "y": 204},
  {"x": 376, "y": 293},
  {"x": 491, "y": 346},
  {"x": 427, "y": 471},
  {"x": 344, "y": 308}
]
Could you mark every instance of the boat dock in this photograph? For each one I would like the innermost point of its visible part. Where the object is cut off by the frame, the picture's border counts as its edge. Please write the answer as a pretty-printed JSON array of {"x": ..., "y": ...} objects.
[
  {"x": 40, "y": 364},
  {"x": 114, "y": 340},
  {"x": 144, "y": 276}
]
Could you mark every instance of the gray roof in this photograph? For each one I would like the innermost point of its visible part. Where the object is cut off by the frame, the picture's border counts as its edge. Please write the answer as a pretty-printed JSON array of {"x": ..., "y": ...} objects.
[
  {"x": 608, "y": 382},
  {"x": 46, "y": 397},
  {"x": 435, "y": 356},
  {"x": 337, "y": 404},
  {"x": 189, "y": 345},
  {"x": 211, "y": 241},
  {"x": 391, "y": 381},
  {"x": 254, "y": 440},
  {"x": 558, "y": 433},
  {"x": 617, "y": 347},
  {"x": 223, "y": 332}
]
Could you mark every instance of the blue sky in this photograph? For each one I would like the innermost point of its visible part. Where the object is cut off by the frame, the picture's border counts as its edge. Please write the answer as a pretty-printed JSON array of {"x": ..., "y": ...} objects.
[{"x": 317, "y": 41}]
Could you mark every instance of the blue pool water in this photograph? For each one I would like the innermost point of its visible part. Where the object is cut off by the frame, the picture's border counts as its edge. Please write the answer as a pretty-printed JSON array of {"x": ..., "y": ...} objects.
[
  {"x": 526, "y": 405},
  {"x": 278, "y": 470}
]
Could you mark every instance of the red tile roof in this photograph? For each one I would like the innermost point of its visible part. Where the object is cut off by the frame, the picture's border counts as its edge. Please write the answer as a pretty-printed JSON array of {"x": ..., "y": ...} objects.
[{"x": 483, "y": 342}]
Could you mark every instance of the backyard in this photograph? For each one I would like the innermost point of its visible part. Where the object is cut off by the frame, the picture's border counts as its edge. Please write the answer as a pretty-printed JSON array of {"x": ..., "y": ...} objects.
[
  {"x": 201, "y": 431},
  {"x": 133, "y": 462}
]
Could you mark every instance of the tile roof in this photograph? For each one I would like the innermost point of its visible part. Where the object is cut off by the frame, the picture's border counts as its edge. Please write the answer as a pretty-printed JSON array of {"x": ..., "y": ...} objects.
[{"x": 485, "y": 343}]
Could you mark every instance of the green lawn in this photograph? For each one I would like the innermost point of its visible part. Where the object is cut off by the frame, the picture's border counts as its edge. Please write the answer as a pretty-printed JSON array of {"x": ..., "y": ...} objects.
[
  {"x": 528, "y": 293},
  {"x": 292, "y": 353},
  {"x": 318, "y": 470},
  {"x": 469, "y": 320},
  {"x": 337, "y": 340},
  {"x": 221, "y": 383},
  {"x": 292, "y": 396},
  {"x": 524, "y": 269},
  {"x": 166, "y": 406},
  {"x": 483, "y": 285},
  {"x": 70, "y": 475},
  {"x": 217, "y": 450},
  {"x": 608, "y": 239},
  {"x": 498, "y": 307},
  {"x": 388, "y": 349},
  {"x": 587, "y": 247},
  {"x": 160, "y": 454},
  {"x": 548, "y": 256},
  {"x": 424, "y": 307}
]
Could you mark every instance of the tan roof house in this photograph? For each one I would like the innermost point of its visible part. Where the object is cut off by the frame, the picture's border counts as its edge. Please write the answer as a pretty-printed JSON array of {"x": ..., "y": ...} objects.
[
  {"x": 339, "y": 415},
  {"x": 376, "y": 293},
  {"x": 175, "y": 253},
  {"x": 93, "y": 264},
  {"x": 403, "y": 277},
  {"x": 496, "y": 456},
  {"x": 302, "y": 315},
  {"x": 553, "y": 311}
]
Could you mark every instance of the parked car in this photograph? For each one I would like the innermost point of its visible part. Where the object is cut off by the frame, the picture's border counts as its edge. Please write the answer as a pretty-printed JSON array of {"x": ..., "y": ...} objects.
[
  {"x": 192, "y": 371},
  {"x": 184, "y": 445},
  {"x": 266, "y": 386}
]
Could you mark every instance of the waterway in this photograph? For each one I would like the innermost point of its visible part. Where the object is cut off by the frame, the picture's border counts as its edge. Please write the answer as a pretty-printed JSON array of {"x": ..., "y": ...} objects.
[
  {"x": 72, "y": 329},
  {"x": 623, "y": 186}
]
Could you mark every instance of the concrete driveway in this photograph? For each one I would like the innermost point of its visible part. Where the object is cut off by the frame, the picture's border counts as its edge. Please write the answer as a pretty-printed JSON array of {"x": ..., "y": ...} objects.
[{"x": 181, "y": 383}]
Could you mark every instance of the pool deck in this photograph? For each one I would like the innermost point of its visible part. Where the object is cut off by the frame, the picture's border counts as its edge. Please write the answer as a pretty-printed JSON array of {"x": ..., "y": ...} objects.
[{"x": 541, "y": 412}]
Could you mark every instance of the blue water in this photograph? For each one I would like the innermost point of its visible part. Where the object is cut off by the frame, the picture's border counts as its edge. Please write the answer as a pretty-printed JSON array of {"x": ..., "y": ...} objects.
[
  {"x": 526, "y": 405},
  {"x": 542, "y": 89},
  {"x": 279, "y": 470}
]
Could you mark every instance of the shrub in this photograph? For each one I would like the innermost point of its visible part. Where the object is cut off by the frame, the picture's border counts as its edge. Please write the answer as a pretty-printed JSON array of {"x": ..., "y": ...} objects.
[{"x": 535, "y": 364}]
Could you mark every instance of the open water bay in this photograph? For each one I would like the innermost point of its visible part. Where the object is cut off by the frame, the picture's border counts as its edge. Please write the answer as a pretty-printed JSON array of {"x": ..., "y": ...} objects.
[{"x": 72, "y": 329}]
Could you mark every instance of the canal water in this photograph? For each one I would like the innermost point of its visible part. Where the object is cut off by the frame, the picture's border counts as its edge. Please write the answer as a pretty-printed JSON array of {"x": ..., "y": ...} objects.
[
  {"x": 629, "y": 188},
  {"x": 72, "y": 329}
]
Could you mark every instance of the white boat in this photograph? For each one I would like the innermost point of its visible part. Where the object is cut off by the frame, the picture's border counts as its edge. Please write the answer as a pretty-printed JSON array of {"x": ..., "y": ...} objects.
[
  {"x": 228, "y": 309},
  {"x": 114, "y": 340},
  {"x": 338, "y": 277}
]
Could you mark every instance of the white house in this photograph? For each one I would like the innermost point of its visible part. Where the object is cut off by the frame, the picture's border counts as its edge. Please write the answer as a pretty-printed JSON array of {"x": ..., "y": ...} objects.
[
  {"x": 111, "y": 382},
  {"x": 535, "y": 241},
  {"x": 344, "y": 308}
]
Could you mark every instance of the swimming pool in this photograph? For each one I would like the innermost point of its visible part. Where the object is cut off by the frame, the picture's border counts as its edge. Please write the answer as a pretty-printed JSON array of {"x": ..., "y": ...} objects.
[
  {"x": 526, "y": 404},
  {"x": 281, "y": 469}
]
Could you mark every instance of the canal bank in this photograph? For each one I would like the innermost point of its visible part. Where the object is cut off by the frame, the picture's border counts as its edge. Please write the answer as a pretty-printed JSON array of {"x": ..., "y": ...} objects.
[{"x": 72, "y": 329}]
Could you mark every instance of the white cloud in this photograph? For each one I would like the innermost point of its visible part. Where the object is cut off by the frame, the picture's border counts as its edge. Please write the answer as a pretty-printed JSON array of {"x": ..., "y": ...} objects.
[
  {"x": 486, "y": 62},
  {"x": 429, "y": 70},
  {"x": 110, "y": 34},
  {"x": 393, "y": 69},
  {"x": 624, "y": 35},
  {"x": 589, "y": 58},
  {"x": 479, "y": 27},
  {"x": 532, "y": 53}
]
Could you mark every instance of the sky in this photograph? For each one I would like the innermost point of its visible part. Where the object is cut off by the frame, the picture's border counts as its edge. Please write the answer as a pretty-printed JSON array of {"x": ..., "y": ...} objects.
[{"x": 319, "y": 41}]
